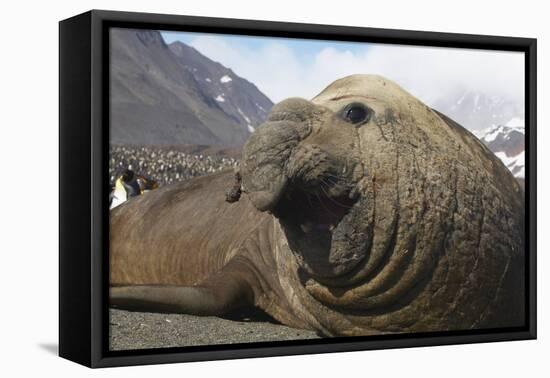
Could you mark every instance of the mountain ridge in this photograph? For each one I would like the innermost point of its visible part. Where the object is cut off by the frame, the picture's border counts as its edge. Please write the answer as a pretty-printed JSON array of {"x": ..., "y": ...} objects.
[
  {"x": 220, "y": 84},
  {"x": 158, "y": 96}
]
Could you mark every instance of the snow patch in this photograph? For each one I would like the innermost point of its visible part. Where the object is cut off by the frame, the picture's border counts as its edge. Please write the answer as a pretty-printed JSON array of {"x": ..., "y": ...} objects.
[
  {"x": 460, "y": 100},
  {"x": 493, "y": 134},
  {"x": 480, "y": 133},
  {"x": 243, "y": 115},
  {"x": 476, "y": 101},
  {"x": 220, "y": 98},
  {"x": 225, "y": 79},
  {"x": 511, "y": 160},
  {"x": 260, "y": 107},
  {"x": 520, "y": 173},
  {"x": 208, "y": 79},
  {"x": 516, "y": 164},
  {"x": 248, "y": 125}
]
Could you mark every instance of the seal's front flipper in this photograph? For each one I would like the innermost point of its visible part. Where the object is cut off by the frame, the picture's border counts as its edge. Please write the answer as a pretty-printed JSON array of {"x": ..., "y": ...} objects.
[{"x": 219, "y": 295}]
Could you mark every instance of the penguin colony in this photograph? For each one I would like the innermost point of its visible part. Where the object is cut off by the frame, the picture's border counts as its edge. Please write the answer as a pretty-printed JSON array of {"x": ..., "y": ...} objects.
[{"x": 135, "y": 170}]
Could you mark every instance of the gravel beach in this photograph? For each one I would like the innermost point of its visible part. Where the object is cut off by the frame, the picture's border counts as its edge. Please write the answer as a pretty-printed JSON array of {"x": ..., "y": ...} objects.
[{"x": 140, "y": 330}]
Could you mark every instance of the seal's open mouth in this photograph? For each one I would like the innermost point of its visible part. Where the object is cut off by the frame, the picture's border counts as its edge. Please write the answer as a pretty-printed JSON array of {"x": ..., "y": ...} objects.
[
  {"x": 312, "y": 213},
  {"x": 317, "y": 227}
]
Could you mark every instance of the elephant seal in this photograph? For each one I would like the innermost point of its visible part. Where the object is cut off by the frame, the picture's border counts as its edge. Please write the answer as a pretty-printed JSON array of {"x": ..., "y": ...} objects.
[{"x": 360, "y": 212}]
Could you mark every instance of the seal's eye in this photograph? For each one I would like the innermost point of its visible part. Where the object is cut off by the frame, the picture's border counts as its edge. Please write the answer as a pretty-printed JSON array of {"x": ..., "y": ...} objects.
[{"x": 356, "y": 113}]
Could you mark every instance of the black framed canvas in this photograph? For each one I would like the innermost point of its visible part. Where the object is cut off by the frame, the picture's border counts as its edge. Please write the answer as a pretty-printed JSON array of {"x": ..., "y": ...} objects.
[{"x": 234, "y": 188}]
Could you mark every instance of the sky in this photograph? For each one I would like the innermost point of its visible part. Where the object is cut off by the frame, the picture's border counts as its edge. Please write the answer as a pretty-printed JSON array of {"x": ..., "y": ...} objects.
[{"x": 283, "y": 68}]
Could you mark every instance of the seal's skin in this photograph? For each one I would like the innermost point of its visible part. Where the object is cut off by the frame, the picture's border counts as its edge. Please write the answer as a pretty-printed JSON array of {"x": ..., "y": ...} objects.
[{"x": 388, "y": 218}]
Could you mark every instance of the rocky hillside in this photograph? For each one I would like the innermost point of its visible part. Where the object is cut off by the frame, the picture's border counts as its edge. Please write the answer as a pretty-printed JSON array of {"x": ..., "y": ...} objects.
[
  {"x": 171, "y": 95},
  {"x": 237, "y": 97}
]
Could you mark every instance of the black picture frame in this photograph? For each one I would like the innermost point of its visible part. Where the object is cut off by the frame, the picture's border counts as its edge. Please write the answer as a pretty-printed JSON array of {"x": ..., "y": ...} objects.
[{"x": 84, "y": 217}]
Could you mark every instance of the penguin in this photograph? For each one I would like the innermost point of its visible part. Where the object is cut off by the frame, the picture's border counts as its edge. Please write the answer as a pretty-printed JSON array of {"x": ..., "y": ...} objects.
[
  {"x": 126, "y": 187},
  {"x": 146, "y": 184}
]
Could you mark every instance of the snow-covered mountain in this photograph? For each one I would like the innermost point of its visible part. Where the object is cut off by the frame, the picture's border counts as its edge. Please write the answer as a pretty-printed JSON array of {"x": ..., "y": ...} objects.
[
  {"x": 508, "y": 144},
  {"x": 497, "y": 120}
]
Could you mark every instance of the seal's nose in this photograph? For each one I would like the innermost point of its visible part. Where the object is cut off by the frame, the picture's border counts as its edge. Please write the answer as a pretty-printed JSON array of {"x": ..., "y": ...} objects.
[
  {"x": 268, "y": 149},
  {"x": 295, "y": 110}
]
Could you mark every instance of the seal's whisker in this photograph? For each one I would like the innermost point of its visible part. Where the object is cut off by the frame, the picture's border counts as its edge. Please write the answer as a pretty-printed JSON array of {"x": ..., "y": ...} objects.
[
  {"x": 330, "y": 180},
  {"x": 340, "y": 180},
  {"x": 332, "y": 199},
  {"x": 335, "y": 201},
  {"x": 338, "y": 177}
]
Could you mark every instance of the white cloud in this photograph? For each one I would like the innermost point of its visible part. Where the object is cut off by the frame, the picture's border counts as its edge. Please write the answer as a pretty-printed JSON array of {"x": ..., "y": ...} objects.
[
  {"x": 431, "y": 73},
  {"x": 427, "y": 72}
]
